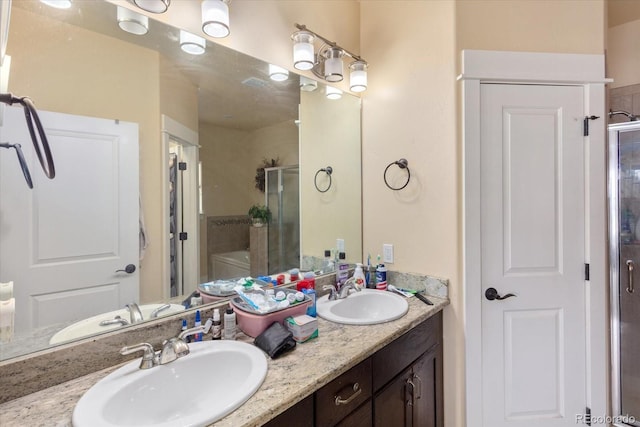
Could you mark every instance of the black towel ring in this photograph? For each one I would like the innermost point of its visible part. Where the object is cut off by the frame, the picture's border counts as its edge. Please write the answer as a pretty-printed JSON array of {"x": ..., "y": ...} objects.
[
  {"x": 328, "y": 170},
  {"x": 402, "y": 164}
]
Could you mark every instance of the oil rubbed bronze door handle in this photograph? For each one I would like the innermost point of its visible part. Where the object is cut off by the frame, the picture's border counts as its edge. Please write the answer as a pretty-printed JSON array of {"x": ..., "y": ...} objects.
[
  {"x": 130, "y": 268},
  {"x": 357, "y": 391},
  {"x": 492, "y": 294},
  {"x": 630, "y": 266}
]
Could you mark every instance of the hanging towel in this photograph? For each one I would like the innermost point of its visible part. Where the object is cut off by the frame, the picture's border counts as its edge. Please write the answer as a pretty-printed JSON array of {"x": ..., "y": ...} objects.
[
  {"x": 6, "y": 291},
  {"x": 144, "y": 240},
  {"x": 7, "y": 314}
]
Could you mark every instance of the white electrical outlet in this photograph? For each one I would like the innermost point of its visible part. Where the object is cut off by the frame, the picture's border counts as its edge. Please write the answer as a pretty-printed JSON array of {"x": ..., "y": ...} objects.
[
  {"x": 340, "y": 245},
  {"x": 387, "y": 253}
]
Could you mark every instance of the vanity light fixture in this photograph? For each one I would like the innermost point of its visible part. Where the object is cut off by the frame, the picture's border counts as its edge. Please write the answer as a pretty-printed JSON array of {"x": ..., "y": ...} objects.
[
  {"x": 58, "y": 4},
  {"x": 192, "y": 44},
  {"x": 278, "y": 74},
  {"x": 327, "y": 63},
  {"x": 307, "y": 84},
  {"x": 333, "y": 92},
  {"x": 132, "y": 22},
  {"x": 153, "y": 6},
  {"x": 215, "y": 18}
]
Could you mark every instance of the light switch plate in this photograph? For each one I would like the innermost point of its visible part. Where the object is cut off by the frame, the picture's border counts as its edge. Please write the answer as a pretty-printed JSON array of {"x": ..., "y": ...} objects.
[
  {"x": 387, "y": 253},
  {"x": 340, "y": 245}
]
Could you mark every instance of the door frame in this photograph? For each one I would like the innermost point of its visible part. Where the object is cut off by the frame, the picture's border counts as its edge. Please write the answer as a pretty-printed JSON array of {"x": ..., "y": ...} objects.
[
  {"x": 173, "y": 130},
  {"x": 549, "y": 69}
]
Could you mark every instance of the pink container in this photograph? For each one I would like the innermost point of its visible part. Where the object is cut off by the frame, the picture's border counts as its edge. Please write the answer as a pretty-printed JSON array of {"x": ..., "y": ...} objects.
[{"x": 255, "y": 324}]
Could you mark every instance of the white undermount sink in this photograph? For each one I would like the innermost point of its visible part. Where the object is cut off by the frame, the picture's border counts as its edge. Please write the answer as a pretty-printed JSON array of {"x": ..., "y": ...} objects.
[
  {"x": 367, "y": 307},
  {"x": 91, "y": 325},
  {"x": 213, "y": 380}
]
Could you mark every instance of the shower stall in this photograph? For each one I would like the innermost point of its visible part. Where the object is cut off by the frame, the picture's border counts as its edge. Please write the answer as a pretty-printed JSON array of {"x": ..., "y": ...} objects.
[
  {"x": 282, "y": 197},
  {"x": 624, "y": 238}
]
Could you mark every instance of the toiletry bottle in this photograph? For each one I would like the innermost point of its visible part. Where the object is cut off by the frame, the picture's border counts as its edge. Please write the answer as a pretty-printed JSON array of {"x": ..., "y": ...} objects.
[
  {"x": 381, "y": 277},
  {"x": 310, "y": 277},
  {"x": 198, "y": 322},
  {"x": 327, "y": 265},
  {"x": 359, "y": 277},
  {"x": 216, "y": 332},
  {"x": 311, "y": 309},
  {"x": 196, "y": 299},
  {"x": 342, "y": 270},
  {"x": 229, "y": 324},
  {"x": 184, "y": 328}
]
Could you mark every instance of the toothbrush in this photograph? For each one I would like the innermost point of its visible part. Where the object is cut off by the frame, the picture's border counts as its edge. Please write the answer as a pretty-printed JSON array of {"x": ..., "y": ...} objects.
[{"x": 399, "y": 291}]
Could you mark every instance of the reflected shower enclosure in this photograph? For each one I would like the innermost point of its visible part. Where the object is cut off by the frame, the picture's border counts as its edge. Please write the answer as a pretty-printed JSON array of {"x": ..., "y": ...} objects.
[
  {"x": 282, "y": 197},
  {"x": 624, "y": 238}
]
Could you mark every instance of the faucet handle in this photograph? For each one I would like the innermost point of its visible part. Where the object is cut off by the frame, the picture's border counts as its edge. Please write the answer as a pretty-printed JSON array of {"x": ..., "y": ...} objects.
[{"x": 148, "y": 357}]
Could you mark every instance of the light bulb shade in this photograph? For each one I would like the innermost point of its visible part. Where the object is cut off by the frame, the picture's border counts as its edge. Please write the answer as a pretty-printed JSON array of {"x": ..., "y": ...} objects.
[
  {"x": 358, "y": 76},
  {"x": 190, "y": 43},
  {"x": 333, "y": 93},
  {"x": 333, "y": 67},
  {"x": 307, "y": 84},
  {"x": 153, "y": 6},
  {"x": 303, "y": 54},
  {"x": 132, "y": 22},
  {"x": 215, "y": 18},
  {"x": 278, "y": 74},
  {"x": 58, "y": 4}
]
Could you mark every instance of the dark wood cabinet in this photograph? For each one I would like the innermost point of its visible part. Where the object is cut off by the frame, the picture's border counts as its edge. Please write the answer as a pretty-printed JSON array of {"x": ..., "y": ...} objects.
[{"x": 398, "y": 386}]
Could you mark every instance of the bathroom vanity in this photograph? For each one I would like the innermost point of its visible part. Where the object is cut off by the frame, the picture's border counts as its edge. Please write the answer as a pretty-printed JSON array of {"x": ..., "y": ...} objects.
[{"x": 397, "y": 365}]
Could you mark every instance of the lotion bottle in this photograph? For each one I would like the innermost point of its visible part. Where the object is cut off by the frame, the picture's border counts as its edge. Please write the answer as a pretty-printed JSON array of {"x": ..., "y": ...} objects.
[
  {"x": 229, "y": 324},
  {"x": 216, "y": 332}
]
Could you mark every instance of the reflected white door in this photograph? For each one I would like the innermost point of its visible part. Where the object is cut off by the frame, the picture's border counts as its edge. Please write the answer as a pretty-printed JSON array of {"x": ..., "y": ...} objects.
[
  {"x": 62, "y": 242},
  {"x": 533, "y": 245}
]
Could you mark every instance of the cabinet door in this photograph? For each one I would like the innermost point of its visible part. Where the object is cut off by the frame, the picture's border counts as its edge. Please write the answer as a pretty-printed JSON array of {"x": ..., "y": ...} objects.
[
  {"x": 392, "y": 406},
  {"x": 361, "y": 417},
  {"x": 299, "y": 415},
  {"x": 427, "y": 390}
]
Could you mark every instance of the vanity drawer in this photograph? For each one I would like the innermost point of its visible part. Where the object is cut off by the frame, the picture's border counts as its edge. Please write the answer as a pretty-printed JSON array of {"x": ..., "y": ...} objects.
[
  {"x": 395, "y": 357},
  {"x": 328, "y": 412}
]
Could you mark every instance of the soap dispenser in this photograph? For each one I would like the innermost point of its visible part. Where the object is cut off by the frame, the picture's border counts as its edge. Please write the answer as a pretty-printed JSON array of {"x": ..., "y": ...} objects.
[{"x": 359, "y": 276}]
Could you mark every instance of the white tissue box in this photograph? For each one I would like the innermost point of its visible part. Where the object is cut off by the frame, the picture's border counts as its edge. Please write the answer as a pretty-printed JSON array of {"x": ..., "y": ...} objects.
[{"x": 303, "y": 327}]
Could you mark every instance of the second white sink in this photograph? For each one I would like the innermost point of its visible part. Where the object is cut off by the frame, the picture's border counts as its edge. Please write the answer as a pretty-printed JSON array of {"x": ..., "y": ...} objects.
[{"x": 366, "y": 307}]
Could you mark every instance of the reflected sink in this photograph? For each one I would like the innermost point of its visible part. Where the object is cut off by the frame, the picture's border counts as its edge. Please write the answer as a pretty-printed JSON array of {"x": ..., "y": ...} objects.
[
  {"x": 212, "y": 381},
  {"x": 367, "y": 307},
  {"x": 91, "y": 325}
]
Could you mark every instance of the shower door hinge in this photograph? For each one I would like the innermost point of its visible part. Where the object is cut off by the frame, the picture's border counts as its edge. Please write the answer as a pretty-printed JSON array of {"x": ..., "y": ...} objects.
[
  {"x": 587, "y": 416},
  {"x": 182, "y": 236},
  {"x": 182, "y": 166},
  {"x": 586, "y": 272},
  {"x": 585, "y": 130}
]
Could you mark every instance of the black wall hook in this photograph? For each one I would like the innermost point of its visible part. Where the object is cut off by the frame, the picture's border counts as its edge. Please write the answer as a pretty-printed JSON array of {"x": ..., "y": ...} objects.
[{"x": 402, "y": 164}]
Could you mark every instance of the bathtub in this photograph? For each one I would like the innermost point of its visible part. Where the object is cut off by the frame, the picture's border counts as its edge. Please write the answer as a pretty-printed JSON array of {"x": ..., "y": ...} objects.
[{"x": 229, "y": 264}]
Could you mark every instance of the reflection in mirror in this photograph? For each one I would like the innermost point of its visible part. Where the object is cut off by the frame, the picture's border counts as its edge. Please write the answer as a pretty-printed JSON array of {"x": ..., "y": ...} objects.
[{"x": 116, "y": 99}]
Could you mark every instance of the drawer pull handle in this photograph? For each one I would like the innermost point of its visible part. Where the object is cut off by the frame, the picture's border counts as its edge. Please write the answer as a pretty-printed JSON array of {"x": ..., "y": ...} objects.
[{"x": 357, "y": 391}]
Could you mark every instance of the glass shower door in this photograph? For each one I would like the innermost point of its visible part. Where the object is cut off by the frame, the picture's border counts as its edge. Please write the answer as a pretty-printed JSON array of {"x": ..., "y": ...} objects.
[
  {"x": 282, "y": 193},
  {"x": 624, "y": 217}
]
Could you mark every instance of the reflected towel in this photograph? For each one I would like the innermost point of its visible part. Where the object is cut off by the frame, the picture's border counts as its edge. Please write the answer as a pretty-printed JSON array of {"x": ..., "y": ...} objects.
[
  {"x": 6, "y": 291},
  {"x": 7, "y": 313}
]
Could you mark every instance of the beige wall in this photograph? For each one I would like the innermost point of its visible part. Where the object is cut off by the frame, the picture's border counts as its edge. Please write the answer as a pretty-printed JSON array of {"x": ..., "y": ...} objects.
[
  {"x": 623, "y": 54},
  {"x": 330, "y": 136}
]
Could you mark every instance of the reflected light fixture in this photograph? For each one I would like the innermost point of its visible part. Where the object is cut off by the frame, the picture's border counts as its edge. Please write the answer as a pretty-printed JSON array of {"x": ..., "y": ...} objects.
[
  {"x": 278, "y": 74},
  {"x": 192, "y": 44},
  {"x": 215, "y": 18},
  {"x": 58, "y": 4},
  {"x": 327, "y": 62},
  {"x": 132, "y": 22},
  {"x": 153, "y": 6},
  {"x": 333, "y": 92},
  {"x": 307, "y": 84}
]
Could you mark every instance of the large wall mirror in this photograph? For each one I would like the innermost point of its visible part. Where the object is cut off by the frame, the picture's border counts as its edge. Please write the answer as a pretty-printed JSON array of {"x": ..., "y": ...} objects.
[{"x": 197, "y": 134}]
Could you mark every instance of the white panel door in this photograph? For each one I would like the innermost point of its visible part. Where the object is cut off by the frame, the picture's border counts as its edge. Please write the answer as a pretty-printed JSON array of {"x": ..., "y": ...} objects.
[
  {"x": 533, "y": 245},
  {"x": 62, "y": 242}
]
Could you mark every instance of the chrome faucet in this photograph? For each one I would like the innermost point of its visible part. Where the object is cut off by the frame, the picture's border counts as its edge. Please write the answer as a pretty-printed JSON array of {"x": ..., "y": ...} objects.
[
  {"x": 134, "y": 312},
  {"x": 114, "y": 321},
  {"x": 177, "y": 347},
  {"x": 341, "y": 292},
  {"x": 172, "y": 349},
  {"x": 155, "y": 312}
]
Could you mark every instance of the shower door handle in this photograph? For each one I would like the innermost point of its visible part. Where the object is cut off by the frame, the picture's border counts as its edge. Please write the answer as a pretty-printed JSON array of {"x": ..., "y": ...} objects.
[{"x": 630, "y": 266}]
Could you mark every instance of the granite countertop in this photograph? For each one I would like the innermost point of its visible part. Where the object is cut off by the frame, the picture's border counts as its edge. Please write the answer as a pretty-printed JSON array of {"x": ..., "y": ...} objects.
[{"x": 289, "y": 379}]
